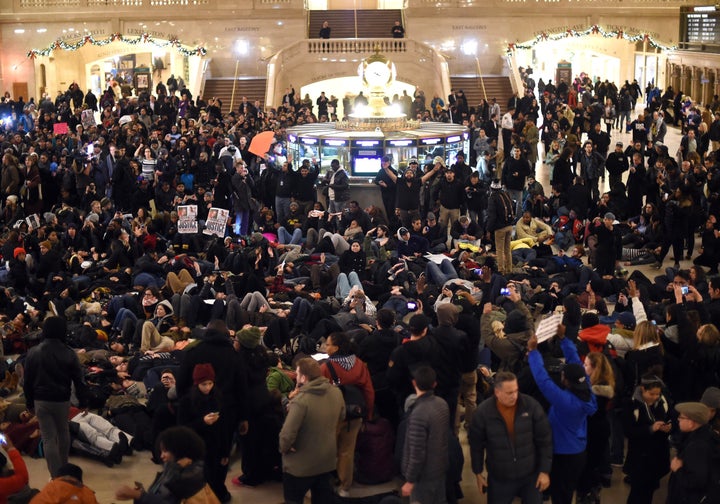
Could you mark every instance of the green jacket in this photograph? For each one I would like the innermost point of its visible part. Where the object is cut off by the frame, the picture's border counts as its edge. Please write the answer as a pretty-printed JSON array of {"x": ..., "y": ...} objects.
[{"x": 308, "y": 436}]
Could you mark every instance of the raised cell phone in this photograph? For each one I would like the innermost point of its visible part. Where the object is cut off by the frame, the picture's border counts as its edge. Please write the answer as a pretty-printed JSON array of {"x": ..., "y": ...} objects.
[
  {"x": 504, "y": 291},
  {"x": 684, "y": 289}
]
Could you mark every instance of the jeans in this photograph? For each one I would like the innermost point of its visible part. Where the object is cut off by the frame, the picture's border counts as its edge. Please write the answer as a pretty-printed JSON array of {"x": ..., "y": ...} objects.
[
  {"x": 523, "y": 255},
  {"x": 295, "y": 488},
  {"x": 146, "y": 280},
  {"x": 282, "y": 208},
  {"x": 516, "y": 196},
  {"x": 284, "y": 237},
  {"x": 55, "y": 433},
  {"x": 345, "y": 283},
  {"x": 123, "y": 314},
  {"x": 440, "y": 273}
]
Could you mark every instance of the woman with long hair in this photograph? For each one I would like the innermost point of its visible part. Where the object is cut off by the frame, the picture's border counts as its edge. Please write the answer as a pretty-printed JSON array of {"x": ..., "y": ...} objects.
[
  {"x": 597, "y": 464},
  {"x": 647, "y": 354}
]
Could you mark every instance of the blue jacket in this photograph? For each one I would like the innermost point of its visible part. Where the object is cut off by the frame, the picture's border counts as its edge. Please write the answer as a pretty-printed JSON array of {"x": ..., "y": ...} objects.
[{"x": 568, "y": 414}]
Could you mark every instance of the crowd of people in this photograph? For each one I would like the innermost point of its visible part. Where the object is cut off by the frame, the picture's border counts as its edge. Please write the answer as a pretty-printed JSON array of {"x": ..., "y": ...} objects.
[{"x": 189, "y": 343}]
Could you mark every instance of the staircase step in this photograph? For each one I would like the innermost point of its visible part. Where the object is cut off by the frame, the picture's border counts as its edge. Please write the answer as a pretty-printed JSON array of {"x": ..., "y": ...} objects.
[
  {"x": 253, "y": 89},
  {"x": 495, "y": 87}
]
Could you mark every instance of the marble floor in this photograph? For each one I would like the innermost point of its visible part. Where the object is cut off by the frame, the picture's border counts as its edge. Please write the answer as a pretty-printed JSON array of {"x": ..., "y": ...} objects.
[{"x": 138, "y": 467}]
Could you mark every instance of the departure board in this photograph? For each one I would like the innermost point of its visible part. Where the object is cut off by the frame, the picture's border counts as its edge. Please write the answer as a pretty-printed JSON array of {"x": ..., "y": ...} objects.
[{"x": 699, "y": 26}]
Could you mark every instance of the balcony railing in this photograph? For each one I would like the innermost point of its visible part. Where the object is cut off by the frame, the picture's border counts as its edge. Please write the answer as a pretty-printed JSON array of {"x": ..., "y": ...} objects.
[{"x": 24, "y": 6}]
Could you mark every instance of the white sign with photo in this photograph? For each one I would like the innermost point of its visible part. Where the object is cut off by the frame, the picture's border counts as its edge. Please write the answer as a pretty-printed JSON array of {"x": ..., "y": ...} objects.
[{"x": 216, "y": 222}]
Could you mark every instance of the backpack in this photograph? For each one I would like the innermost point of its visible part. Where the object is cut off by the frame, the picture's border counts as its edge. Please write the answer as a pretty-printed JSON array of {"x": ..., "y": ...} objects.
[
  {"x": 355, "y": 406},
  {"x": 508, "y": 209}
]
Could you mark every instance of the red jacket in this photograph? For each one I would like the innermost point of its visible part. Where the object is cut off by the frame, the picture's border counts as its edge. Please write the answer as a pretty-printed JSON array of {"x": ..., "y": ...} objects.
[
  {"x": 15, "y": 483},
  {"x": 359, "y": 376},
  {"x": 595, "y": 337}
]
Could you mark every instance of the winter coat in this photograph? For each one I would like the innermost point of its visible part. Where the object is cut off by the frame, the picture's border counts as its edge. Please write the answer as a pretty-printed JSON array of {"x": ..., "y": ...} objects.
[
  {"x": 351, "y": 370},
  {"x": 568, "y": 413},
  {"x": 690, "y": 483},
  {"x": 510, "y": 349},
  {"x": 648, "y": 455},
  {"x": 307, "y": 441},
  {"x": 426, "y": 437},
  {"x": 528, "y": 455}
]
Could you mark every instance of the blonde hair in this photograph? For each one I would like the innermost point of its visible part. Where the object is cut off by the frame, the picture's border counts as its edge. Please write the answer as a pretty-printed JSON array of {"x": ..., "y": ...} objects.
[
  {"x": 709, "y": 335},
  {"x": 645, "y": 333},
  {"x": 602, "y": 373}
]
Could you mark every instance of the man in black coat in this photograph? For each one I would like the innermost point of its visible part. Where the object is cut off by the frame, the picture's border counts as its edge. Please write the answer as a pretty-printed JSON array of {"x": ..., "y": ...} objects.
[
  {"x": 517, "y": 466},
  {"x": 616, "y": 164}
]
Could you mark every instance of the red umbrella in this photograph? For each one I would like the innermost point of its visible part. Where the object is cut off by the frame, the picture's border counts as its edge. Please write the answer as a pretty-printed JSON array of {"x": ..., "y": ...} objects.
[{"x": 260, "y": 143}]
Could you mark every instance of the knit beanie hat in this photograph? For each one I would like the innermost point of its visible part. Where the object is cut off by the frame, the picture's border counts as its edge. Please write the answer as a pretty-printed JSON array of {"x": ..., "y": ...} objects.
[
  {"x": 18, "y": 251},
  {"x": 54, "y": 328},
  {"x": 577, "y": 381},
  {"x": 203, "y": 372},
  {"x": 515, "y": 322},
  {"x": 589, "y": 319},
  {"x": 249, "y": 337}
]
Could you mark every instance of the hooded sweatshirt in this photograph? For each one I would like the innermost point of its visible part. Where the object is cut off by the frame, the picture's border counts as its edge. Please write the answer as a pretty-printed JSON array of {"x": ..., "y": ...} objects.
[
  {"x": 595, "y": 336},
  {"x": 568, "y": 414}
]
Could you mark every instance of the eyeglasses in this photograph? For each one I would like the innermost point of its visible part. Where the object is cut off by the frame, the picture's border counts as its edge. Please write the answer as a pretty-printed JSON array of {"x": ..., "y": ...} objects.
[{"x": 148, "y": 293}]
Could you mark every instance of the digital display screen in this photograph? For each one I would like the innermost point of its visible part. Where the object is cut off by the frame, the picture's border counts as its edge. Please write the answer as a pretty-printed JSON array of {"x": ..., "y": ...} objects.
[{"x": 366, "y": 165}]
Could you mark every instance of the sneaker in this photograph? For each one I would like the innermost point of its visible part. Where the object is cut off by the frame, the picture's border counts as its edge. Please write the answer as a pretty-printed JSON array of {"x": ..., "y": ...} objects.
[
  {"x": 657, "y": 265},
  {"x": 345, "y": 494}
]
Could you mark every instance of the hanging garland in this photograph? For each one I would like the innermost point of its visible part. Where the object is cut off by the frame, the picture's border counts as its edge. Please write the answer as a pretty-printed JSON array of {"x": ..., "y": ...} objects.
[
  {"x": 593, "y": 30},
  {"x": 145, "y": 38}
]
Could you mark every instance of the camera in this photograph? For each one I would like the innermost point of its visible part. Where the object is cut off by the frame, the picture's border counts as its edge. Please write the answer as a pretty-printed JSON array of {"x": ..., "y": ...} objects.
[
  {"x": 505, "y": 291},
  {"x": 411, "y": 305}
]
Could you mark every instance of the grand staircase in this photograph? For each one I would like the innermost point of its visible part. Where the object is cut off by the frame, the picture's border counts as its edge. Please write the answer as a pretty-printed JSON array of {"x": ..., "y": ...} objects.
[
  {"x": 253, "y": 88},
  {"x": 496, "y": 86}
]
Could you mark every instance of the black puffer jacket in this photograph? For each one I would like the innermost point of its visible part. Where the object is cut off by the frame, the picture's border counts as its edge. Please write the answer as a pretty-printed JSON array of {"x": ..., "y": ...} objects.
[{"x": 530, "y": 454}]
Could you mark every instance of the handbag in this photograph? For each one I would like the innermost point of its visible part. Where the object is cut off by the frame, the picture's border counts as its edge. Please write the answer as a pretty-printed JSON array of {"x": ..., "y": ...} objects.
[{"x": 204, "y": 496}]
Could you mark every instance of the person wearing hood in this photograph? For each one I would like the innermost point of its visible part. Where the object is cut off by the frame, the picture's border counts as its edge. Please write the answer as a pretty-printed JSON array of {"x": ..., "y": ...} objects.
[
  {"x": 308, "y": 440},
  {"x": 571, "y": 404},
  {"x": 453, "y": 344},
  {"x": 262, "y": 434},
  {"x": 593, "y": 333},
  {"x": 510, "y": 347},
  {"x": 344, "y": 367},
  {"x": 215, "y": 347},
  {"x": 152, "y": 339},
  {"x": 51, "y": 369},
  {"x": 646, "y": 422}
]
